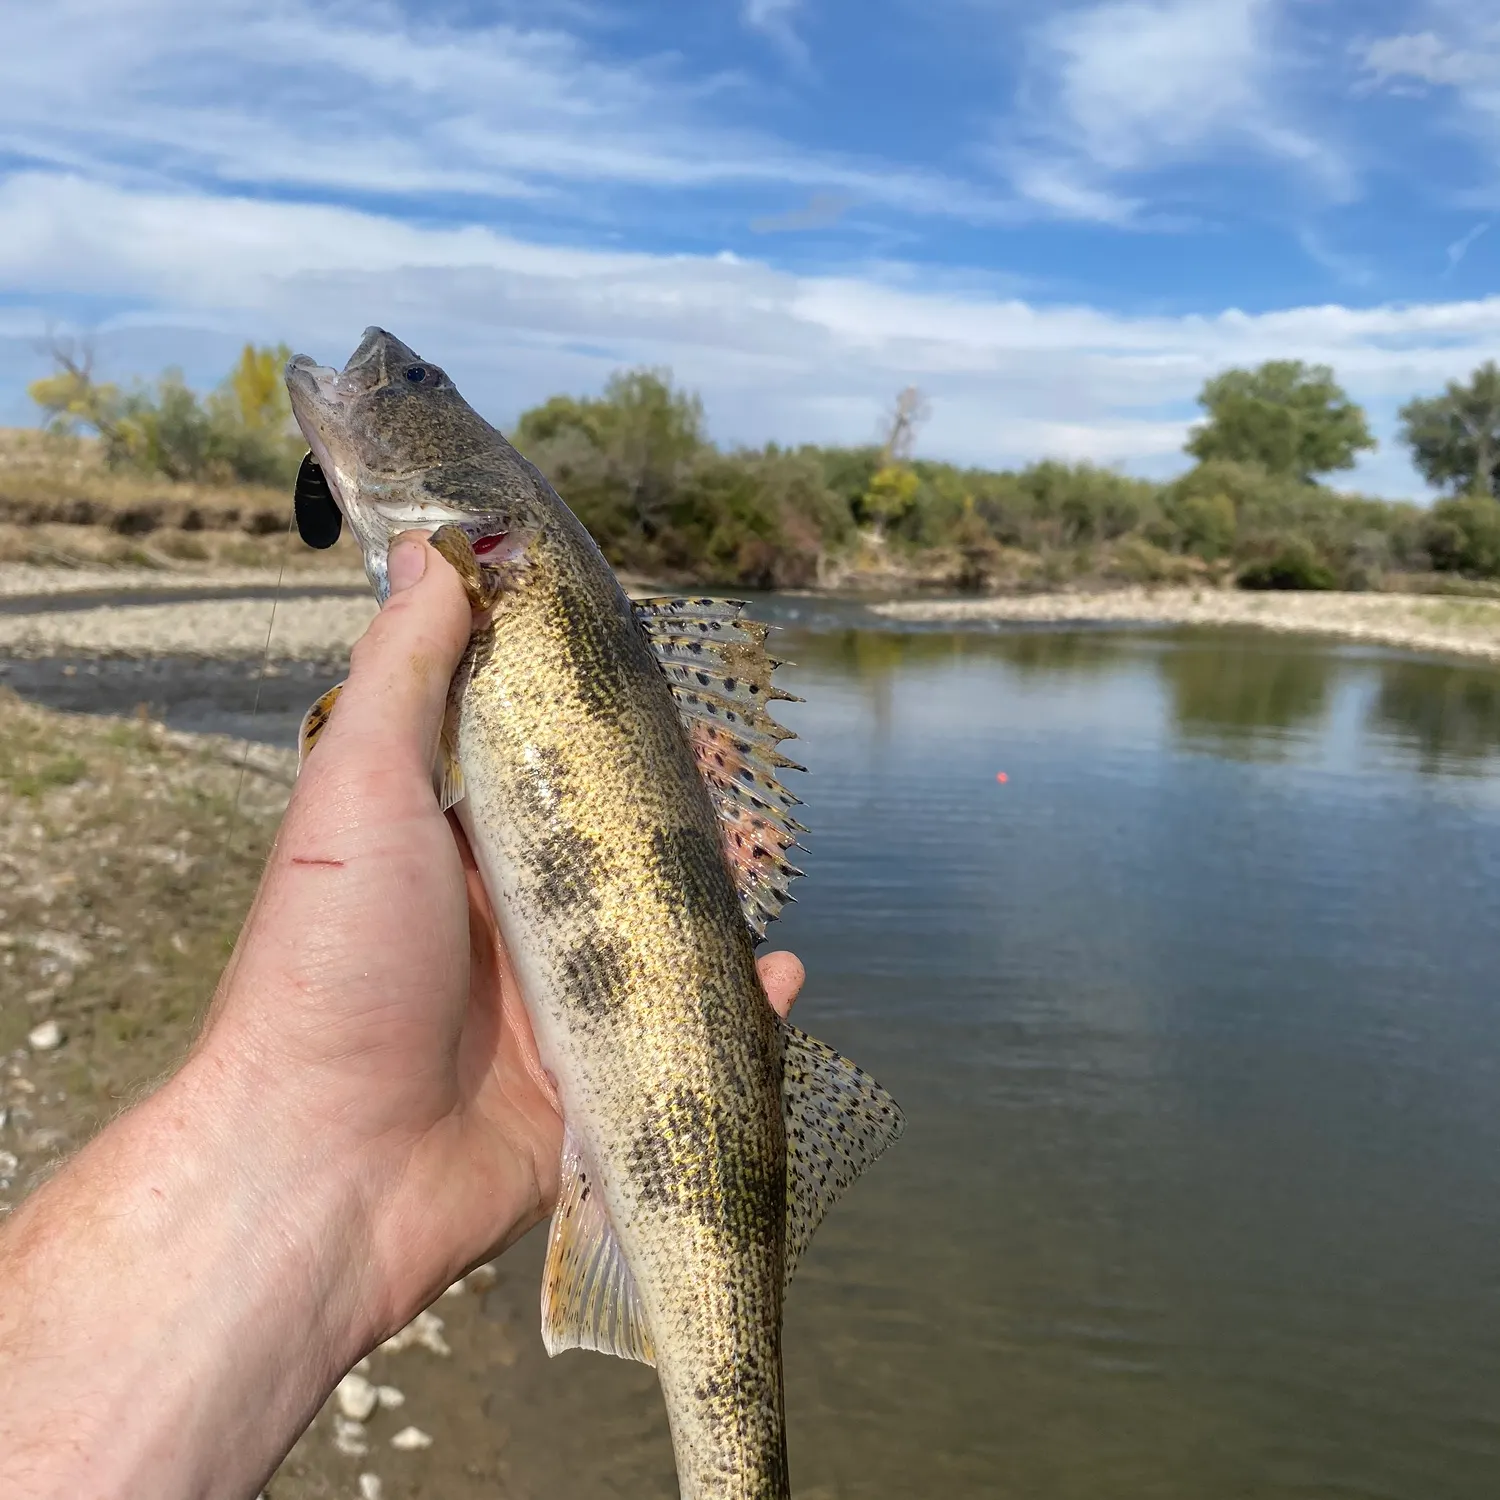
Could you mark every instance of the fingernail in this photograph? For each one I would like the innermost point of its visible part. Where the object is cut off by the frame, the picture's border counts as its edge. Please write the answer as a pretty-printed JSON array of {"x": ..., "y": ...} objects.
[{"x": 407, "y": 563}]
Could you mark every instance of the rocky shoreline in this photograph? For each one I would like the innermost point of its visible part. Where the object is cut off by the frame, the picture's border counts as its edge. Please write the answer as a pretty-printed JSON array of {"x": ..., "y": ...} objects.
[
  {"x": 1414, "y": 622},
  {"x": 188, "y": 614}
]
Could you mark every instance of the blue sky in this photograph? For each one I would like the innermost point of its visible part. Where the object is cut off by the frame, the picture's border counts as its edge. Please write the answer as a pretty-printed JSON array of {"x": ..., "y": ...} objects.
[{"x": 1057, "y": 219}]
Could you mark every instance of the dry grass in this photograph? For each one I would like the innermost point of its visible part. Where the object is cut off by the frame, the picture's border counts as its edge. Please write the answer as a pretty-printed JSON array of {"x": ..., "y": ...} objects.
[{"x": 125, "y": 870}]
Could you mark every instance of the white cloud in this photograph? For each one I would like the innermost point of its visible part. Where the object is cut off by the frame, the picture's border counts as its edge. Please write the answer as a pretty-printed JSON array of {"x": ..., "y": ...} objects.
[
  {"x": 777, "y": 355},
  {"x": 1422, "y": 56},
  {"x": 1459, "y": 53},
  {"x": 277, "y": 94},
  {"x": 774, "y": 19},
  {"x": 1126, "y": 87}
]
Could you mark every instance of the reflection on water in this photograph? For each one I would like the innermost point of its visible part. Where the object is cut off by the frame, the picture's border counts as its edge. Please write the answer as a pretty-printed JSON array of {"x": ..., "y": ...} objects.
[
  {"x": 1449, "y": 714},
  {"x": 1246, "y": 696},
  {"x": 1195, "y": 1022}
]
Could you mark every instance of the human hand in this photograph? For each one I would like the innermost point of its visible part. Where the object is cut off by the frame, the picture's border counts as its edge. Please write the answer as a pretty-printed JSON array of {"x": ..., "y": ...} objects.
[{"x": 370, "y": 996}]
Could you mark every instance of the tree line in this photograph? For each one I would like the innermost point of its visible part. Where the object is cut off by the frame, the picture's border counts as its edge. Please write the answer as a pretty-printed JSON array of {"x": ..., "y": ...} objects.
[{"x": 638, "y": 466}]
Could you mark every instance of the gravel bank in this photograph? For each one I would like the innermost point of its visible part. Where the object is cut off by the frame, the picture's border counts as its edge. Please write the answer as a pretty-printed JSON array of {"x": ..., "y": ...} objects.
[
  {"x": 304, "y": 629},
  {"x": 1467, "y": 627},
  {"x": 20, "y": 579},
  {"x": 324, "y": 628}
]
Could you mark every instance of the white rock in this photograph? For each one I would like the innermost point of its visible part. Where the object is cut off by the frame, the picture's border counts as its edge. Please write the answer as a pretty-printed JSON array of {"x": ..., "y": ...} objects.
[
  {"x": 457, "y": 1289},
  {"x": 8, "y": 1164},
  {"x": 409, "y": 1439},
  {"x": 4, "y": 1116},
  {"x": 389, "y": 1397},
  {"x": 349, "y": 1437},
  {"x": 356, "y": 1397},
  {"x": 425, "y": 1329},
  {"x": 61, "y": 945},
  {"x": 370, "y": 1487},
  {"x": 45, "y": 1038}
]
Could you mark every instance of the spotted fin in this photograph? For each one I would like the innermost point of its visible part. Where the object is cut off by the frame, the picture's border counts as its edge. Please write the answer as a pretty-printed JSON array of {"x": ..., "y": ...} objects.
[
  {"x": 720, "y": 674},
  {"x": 589, "y": 1297},
  {"x": 448, "y": 778},
  {"x": 314, "y": 722},
  {"x": 838, "y": 1121}
]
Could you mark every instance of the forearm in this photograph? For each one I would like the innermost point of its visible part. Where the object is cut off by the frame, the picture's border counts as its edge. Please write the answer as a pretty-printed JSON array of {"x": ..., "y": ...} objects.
[{"x": 176, "y": 1303}]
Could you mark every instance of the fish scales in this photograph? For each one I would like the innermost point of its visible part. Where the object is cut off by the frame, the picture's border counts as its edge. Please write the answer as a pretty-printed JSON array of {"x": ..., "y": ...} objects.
[
  {"x": 585, "y": 798},
  {"x": 616, "y": 776}
]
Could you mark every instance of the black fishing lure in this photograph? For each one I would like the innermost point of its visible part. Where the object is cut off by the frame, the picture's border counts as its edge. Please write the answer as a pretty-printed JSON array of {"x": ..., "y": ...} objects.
[{"x": 319, "y": 519}]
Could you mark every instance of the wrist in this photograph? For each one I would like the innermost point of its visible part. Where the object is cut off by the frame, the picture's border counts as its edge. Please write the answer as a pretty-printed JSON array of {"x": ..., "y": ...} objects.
[{"x": 176, "y": 1302}]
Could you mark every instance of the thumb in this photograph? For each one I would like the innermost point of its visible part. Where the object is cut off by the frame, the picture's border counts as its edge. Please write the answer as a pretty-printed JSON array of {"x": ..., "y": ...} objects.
[{"x": 399, "y": 671}]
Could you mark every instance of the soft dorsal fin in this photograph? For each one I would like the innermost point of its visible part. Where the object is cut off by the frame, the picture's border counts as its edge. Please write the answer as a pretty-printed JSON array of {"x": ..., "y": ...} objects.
[
  {"x": 589, "y": 1297},
  {"x": 838, "y": 1121},
  {"x": 720, "y": 675}
]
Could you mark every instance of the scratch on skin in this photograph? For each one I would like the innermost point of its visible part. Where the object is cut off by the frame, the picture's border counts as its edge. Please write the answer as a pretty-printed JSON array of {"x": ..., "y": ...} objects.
[{"x": 303, "y": 859}]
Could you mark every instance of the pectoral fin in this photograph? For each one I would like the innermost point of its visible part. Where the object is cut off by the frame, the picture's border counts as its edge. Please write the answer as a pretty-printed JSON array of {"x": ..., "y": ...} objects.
[
  {"x": 838, "y": 1121},
  {"x": 314, "y": 721},
  {"x": 589, "y": 1297}
]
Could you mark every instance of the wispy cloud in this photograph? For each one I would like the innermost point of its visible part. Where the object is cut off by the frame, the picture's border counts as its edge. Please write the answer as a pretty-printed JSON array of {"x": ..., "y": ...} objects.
[
  {"x": 775, "y": 19},
  {"x": 822, "y": 211},
  {"x": 1459, "y": 51},
  {"x": 290, "y": 95},
  {"x": 1463, "y": 244},
  {"x": 776, "y": 355},
  {"x": 1124, "y": 88}
]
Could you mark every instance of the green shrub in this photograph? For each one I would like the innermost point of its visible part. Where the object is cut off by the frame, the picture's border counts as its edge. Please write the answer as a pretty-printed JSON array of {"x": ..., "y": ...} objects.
[
  {"x": 1463, "y": 536},
  {"x": 1295, "y": 566}
]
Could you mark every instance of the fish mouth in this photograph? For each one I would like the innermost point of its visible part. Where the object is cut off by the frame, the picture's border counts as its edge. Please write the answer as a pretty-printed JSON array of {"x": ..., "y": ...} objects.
[{"x": 317, "y": 392}]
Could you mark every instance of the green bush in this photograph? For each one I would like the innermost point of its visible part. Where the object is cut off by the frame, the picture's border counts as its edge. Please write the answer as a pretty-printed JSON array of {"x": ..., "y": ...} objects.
[
  {"x": 1463, "y": 536},
  {"x": 1295, "y": 566}
]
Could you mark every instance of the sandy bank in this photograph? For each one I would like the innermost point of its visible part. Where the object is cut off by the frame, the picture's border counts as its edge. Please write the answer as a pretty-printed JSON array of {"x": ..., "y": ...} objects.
[{"x": 1468, "y": 627}]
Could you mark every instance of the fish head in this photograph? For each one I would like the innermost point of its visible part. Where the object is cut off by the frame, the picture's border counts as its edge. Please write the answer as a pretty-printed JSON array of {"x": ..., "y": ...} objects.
[{"x": 403, "y": 451}]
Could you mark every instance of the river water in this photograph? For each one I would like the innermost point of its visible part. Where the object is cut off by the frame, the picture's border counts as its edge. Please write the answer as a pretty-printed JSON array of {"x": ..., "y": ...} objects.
[{"x": 1195, "y": 1018}]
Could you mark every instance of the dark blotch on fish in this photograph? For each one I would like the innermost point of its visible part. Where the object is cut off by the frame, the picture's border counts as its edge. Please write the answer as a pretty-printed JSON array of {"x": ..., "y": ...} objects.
[
  {"x": 564, "y": 863},
  {"x": 688, "y": 859},
  {"x": 596, "y": 976}
]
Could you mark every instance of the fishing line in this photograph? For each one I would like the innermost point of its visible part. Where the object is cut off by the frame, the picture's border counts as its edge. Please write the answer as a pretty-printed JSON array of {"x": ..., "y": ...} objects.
[{"x": 260, "y": 682}]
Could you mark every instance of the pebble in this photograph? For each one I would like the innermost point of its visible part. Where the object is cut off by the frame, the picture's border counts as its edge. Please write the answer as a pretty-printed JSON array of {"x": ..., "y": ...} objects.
[
  {"x": 409, "y": 1439},
  {"x": 389, "y": 1397},
  {"x": 349, "y": 1437},
  {"x": 370, "y": 1487},
  {"x": 425, "y": 1329},
  {"x": 356, "y": 1396},
  {"x": 9, "y": 1165},
  {"x": 4, "y": 1116},
  {"x": 61, "y": 945},
  {"x": 47, "y": 1037}
]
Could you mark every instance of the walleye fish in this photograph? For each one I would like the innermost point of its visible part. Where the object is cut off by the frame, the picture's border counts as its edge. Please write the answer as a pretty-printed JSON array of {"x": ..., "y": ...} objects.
[{"x": 616, "y": 771}]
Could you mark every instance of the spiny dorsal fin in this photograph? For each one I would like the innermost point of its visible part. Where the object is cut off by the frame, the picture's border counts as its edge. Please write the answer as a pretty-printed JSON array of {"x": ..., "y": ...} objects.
[
  {"x": 314, "y": 722},
  {"x": 838, "y": 1120},
  {"x": 720, "y": 675},
  {"x": 589, "y": 1297}
]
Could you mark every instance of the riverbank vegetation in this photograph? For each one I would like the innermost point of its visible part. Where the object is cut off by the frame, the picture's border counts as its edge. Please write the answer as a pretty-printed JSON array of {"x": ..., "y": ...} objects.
[{"x": 183, "y": 476}]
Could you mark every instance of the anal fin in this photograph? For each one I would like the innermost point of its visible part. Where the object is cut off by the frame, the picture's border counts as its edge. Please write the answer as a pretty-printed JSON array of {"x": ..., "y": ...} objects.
[
  {"x": 314, "y": 722},
  {"x": 838, "y": 1121},
  {"x": 589, "y": 1297}
]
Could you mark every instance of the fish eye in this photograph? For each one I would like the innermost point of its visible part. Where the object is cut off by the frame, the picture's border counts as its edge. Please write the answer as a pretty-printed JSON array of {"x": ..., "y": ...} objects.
[{"x": 416, "y": 373}]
